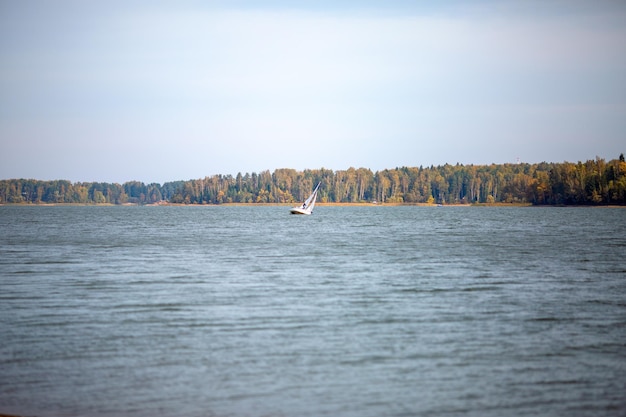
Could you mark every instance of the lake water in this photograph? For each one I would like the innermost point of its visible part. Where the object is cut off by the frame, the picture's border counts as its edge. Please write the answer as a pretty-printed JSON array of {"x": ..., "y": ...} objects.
[{"x": 354, "y": 311}]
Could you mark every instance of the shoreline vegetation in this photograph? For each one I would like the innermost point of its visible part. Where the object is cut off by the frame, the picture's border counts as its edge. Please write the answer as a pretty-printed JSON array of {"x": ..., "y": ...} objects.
[
  {"x": 592, "y": 183},
  {"x": 358, "y": 204},
  {"x": 361, "y": 204}
]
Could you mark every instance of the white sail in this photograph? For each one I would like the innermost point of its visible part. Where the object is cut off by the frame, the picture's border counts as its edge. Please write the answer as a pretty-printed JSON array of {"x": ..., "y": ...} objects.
[{"x": 309, "y": 203}]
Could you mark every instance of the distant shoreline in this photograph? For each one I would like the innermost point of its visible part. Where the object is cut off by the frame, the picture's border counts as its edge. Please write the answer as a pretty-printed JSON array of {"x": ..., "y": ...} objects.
[
  {"x": 594, "y": 182},
  {"x": 318, "y": 204},
  {"x": 165, "y": 204}
]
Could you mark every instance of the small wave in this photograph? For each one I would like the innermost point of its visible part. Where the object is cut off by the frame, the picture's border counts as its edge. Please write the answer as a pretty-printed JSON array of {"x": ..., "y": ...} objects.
[
  {"x": 562, "y": 382},
  {"x": 482, "y": 288},
  {"x": 442, "y": 290},
  {"x": 546, "y": 319},
  {"x": 50, "y": 262},
  {"x": 134, "y": 308},
  {"x": 367, "y": 360},
  {"x": 386, "y": 321}
]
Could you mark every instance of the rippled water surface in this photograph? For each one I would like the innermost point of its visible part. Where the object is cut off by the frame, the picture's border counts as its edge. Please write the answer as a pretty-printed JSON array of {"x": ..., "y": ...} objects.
[{"x": 354, "y": 311}]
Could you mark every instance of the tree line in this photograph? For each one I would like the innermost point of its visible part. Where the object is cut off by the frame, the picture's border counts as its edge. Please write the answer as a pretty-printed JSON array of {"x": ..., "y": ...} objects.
[{"x": 594, "y": 182}]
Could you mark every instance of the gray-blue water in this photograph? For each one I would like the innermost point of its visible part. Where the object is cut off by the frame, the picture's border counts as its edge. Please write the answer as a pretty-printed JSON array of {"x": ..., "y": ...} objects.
[{"x": 354, "y": 311}]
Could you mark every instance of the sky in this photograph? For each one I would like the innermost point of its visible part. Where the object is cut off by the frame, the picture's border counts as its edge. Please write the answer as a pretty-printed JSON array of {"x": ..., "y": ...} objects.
[{"x": 159, "y": 91}]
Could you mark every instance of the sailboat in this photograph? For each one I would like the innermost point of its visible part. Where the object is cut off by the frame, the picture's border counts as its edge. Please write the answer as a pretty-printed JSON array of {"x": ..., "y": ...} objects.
[{"x": 309, "y": 203}]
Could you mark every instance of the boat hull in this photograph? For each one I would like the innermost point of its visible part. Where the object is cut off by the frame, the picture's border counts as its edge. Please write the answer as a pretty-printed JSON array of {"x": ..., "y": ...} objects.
[{"x": 299, "y": 210}]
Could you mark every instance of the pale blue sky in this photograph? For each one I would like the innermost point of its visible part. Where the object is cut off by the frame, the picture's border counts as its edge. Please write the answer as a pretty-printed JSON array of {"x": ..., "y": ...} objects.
[{"x": 161, "y": 91}]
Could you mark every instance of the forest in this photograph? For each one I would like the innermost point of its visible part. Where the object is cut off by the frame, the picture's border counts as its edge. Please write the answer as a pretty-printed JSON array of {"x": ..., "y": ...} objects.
[{"x": 594, "y": 182}]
